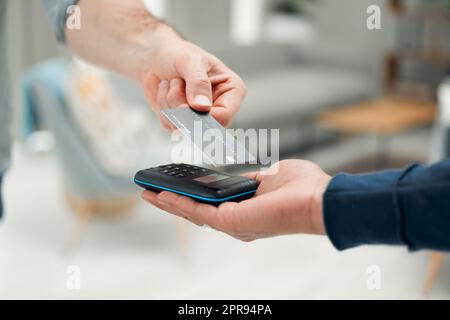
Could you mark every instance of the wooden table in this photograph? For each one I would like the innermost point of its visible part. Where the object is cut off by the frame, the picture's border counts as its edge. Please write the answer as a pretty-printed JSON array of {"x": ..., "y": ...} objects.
[{"x": 382, "y": 117}]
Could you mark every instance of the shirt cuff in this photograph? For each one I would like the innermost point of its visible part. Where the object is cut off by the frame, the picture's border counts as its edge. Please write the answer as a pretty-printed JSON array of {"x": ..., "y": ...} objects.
[
  {"x": 363, "y": 209},
  {"x": 57, "y": 11}
]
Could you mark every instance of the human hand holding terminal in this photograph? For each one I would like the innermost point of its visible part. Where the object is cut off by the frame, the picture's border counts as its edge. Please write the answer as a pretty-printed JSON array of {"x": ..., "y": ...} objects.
[{"x": 288, "y": 201}]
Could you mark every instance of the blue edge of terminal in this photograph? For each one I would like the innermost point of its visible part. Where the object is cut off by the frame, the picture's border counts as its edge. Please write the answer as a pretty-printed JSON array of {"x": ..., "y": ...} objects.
[{"x": 194, "y": 195}]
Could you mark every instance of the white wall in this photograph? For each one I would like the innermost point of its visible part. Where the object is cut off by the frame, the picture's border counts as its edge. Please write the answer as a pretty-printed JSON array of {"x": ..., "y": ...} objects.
[{"x": 205, "y": 22}]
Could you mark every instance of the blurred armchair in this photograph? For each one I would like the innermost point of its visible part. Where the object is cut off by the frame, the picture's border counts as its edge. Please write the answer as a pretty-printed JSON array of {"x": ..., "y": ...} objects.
[{"x": 91, "y": 189}]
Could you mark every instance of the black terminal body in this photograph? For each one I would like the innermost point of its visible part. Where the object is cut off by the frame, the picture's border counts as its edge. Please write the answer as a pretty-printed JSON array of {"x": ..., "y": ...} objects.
[{"x": 200, "y": 184}]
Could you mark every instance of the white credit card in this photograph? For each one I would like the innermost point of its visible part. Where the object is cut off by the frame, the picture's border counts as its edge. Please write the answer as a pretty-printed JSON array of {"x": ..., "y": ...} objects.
[{"x": 218, "y": 145}]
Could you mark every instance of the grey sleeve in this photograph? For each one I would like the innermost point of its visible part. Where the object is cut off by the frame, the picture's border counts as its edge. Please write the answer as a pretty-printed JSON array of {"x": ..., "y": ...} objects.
[{"x": 57, "y": 11}]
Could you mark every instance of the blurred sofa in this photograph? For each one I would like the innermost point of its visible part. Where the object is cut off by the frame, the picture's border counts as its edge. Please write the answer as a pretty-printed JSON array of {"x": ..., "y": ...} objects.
[{"x": 285, "y": 89}]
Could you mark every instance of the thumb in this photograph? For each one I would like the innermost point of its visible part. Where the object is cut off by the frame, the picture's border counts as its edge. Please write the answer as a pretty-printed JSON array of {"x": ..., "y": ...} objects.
[{"x": 198, "y": 86}]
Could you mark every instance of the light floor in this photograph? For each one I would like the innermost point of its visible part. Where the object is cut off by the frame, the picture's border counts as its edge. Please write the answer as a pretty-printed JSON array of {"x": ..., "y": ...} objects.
[{"x": 143, "y": 255}]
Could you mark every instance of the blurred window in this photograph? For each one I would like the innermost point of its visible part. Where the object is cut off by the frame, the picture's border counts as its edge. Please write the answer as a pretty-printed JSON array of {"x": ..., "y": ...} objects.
[{"x": 246, "y": 21}]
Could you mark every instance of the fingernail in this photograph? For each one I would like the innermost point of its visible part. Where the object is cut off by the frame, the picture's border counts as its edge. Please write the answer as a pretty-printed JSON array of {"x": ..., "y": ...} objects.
[{"x": 202, "y": 100}]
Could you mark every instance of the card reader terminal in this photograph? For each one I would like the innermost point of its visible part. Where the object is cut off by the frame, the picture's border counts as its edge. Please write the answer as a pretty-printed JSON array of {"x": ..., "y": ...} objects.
[{"x": 201, "y": 184}]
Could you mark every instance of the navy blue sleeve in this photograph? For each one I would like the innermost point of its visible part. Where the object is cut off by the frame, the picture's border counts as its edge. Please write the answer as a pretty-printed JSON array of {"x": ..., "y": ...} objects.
[
  {"x": 407, "y": 207},
  {"x": 57, "y": 11}
]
